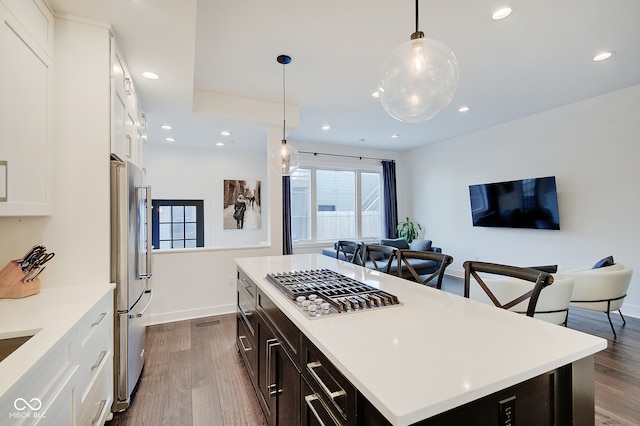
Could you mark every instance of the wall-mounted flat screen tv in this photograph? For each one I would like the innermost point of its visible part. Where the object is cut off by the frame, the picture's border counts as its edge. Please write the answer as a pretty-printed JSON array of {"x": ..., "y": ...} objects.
[{"x": 525, "y": 203}]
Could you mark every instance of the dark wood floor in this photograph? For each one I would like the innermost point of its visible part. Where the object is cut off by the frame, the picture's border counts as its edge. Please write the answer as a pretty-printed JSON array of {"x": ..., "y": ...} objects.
[{"x": 194, "y": 376}]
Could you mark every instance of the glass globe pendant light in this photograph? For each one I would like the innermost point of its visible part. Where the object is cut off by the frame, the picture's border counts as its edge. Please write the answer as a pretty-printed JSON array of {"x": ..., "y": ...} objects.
[
  {"x": 285, "y": 160},
  {"x": 419, "y": 78}
]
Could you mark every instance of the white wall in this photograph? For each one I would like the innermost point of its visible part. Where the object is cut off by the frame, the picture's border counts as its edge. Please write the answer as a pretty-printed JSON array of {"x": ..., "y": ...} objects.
[
  {"x": 592, "y": 147},
  {"x": 199, "y": 173},
  {"x": 192, "y": 283}
]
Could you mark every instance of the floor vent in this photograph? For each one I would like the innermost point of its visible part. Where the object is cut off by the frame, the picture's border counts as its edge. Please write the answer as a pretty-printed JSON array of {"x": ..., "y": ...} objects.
[{"x": 207, "y": 323}]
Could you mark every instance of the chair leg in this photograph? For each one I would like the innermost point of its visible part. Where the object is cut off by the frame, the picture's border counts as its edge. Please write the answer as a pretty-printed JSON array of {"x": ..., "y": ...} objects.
[
  {"x": 611, "y": 324},
  {"x": 623, "y": 321}
]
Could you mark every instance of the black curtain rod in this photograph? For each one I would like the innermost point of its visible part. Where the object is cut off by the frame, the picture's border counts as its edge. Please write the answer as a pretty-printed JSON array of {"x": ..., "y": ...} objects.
[{"x": 347, "y": 156}]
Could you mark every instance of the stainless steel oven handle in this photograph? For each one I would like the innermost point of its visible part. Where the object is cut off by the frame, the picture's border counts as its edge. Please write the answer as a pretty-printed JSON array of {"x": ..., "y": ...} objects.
[
  {"x": 308, "y": 400},
  {"x": 141, "y": 313},
  {"x": 333, "y": 395},
  {"x": 244, "y": 348}
]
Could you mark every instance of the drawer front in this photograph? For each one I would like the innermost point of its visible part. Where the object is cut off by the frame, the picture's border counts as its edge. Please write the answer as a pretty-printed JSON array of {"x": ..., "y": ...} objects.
[
  {"x": 94, "y": 356},
  {"x": 313, "y": 411},
  {"x": 248, "y": 349},
  {"x": 97, "y": 404},
  {"x": 335, "y": 391},
  {"x": 99, "y": 317},
  {"x": 291, "y": 336},
  {"x": 248, "y": 285},
  {"x": 246, "y": 310}
]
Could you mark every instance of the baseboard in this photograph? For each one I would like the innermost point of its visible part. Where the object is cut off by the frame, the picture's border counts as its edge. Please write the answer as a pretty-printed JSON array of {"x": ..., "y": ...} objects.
[
  {"x": 191, "y": 314},
  {"x": 630, "y": 310}
]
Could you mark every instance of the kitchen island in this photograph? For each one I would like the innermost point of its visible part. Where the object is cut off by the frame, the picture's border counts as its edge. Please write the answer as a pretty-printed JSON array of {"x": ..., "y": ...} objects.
[{"x": 435, "y": 354}]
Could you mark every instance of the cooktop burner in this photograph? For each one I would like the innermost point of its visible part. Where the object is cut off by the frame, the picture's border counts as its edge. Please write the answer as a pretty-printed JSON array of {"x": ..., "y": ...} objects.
[{"x": 322, "y": 292}]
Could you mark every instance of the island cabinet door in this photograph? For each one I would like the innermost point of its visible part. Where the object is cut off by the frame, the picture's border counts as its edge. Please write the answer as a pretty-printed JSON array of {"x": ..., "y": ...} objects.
[{"x": 278, "y": 379}]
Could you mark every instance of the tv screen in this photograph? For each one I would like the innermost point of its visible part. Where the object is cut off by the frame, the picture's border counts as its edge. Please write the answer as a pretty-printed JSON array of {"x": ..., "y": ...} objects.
[{"x": 525, "y": 203}]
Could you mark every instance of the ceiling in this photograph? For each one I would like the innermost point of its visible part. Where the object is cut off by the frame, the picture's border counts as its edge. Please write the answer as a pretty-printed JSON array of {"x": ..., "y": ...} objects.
[{"x": 537, "y": 59}]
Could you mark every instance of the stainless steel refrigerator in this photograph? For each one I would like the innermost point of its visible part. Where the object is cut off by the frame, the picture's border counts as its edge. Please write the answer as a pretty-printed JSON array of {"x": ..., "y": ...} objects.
[{"x": 131, "y": 272}]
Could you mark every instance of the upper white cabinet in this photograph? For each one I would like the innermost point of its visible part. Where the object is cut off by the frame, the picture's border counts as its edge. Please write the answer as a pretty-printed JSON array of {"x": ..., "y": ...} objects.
[
  {"x": 129, "y": 135},
  {"x": 26, "y": 44}
]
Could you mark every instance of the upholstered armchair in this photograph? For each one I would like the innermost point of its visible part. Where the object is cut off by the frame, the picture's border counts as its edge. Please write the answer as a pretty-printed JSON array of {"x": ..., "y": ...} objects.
[{"x": 601, "y": 289}]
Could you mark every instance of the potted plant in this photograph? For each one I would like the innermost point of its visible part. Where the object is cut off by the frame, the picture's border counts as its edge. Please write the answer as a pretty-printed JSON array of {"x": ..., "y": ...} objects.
[{"x": 408, "y": 230}]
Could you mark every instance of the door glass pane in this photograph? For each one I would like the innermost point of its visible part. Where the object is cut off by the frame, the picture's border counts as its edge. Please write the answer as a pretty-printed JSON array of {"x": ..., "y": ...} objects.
[
  {"x": 178, "y": 244},
  {"x": 189, "y": 243},
  {"x": 336, "y": 215},
  {"x": 165, "y": 244}
]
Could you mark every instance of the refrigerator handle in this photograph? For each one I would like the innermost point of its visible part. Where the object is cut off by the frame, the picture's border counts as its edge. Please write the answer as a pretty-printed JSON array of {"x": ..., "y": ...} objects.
[{"x": 149, "y": 236}]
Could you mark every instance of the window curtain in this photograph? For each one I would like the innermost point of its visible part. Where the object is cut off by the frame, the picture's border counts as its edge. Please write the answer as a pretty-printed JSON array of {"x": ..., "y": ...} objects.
[
  {"x": 287, "y": 242},
  {"x": 390, "y": 198}
]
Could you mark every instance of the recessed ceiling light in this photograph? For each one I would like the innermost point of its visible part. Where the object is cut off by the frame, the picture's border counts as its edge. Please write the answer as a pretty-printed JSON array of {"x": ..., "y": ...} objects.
[
  {"x": 464, "y": 108},
  {"x": 150, "y": 75},
  {"x": 602, "y": 56},
  {"x": 219, "y": 143},
  {"x": 395, "y": 136},
  {"x": 501, "y": 13},
  {"x": 166, "y": 127},
  {"x": 326, "y": 127},
  {"x": 376, "y": 94},
  {"x": 170, "y": 140},
  {"x": 225, "y": 133}
]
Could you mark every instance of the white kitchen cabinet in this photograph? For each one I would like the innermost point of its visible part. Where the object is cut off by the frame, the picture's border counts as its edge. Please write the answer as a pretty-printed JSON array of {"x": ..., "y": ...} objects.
[
  {"x": 71, "y": 383},
  {"x": 128, "y": 123},
  {"x": 26, "y": 43},
  {"x": 95, "y": 367}
]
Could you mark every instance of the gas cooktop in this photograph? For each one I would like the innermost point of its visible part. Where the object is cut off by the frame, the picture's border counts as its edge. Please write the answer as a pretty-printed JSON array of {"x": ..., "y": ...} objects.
[{"x": 323, "y": 292}]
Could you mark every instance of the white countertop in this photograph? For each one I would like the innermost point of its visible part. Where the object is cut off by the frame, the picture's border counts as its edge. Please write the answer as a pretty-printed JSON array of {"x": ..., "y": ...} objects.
[
  {"x": 52, "y": 313},
  {"x": 435, "y": 352}
]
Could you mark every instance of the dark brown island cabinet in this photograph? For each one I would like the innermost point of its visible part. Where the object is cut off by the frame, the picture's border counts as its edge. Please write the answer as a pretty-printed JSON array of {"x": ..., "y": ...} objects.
[{"x": 297, "y": 385}]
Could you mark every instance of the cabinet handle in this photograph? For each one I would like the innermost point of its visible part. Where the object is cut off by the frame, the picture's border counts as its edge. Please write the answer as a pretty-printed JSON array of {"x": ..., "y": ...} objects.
[
  {"x": 99, "y": 361},
  {"x": 244, "y": 348},
  {"x": 129, "y": 145},
  {"x": 309, "y": 399},
  {"x": 271, "y": 343},
  {"x": 100, "y": 408},
  {"x": 333, "y": 395},
  {"x": 246, "y": 285},
  {"x": 99, "y": 320}
]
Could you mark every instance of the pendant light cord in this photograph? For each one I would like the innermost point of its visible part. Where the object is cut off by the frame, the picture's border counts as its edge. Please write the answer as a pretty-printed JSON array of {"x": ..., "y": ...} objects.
[
  {"x": 418, "y": 34},
  {"x": 284, "y": 104}
]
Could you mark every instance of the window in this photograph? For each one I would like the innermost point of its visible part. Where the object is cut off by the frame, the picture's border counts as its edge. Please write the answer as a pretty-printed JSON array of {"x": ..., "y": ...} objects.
[
  {"x": 333, "y": 204},
  {"x": 177, "y": 224}
]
